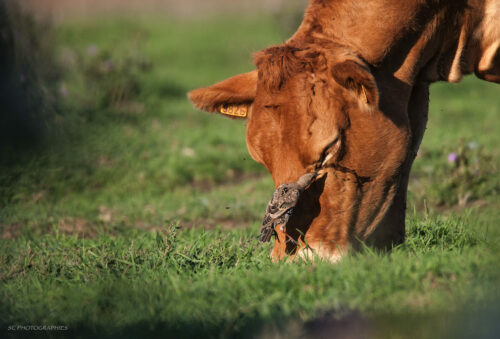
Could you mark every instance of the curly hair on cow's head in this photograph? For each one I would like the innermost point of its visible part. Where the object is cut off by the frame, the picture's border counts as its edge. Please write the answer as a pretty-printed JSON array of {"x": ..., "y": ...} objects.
[{"x": 277, "y": 64}]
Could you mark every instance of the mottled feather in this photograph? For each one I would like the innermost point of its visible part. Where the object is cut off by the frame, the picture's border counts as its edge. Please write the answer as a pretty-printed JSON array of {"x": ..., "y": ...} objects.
[{"x": 282, "y": 204}]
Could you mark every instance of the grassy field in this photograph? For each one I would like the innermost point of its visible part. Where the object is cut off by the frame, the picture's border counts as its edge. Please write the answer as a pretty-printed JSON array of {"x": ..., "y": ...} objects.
[{"x": 138, "y": 214}]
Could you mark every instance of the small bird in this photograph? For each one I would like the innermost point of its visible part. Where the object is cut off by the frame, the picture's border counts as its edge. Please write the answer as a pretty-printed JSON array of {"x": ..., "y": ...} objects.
[{"x": 282, "y": 205}]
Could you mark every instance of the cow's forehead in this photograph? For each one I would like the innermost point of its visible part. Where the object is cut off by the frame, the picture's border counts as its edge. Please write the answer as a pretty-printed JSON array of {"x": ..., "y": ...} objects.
[{"x": 279, "y": 64}]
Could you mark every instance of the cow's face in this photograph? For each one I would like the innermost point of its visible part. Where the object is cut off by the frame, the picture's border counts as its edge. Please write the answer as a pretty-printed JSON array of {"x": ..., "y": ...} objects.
[{"x": 304, "y": 105}]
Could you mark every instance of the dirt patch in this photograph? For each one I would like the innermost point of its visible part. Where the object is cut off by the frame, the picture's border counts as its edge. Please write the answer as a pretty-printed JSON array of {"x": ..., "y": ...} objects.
[
  {"x": 10, "y": 231},
  {"x": 79, "y": 226}
]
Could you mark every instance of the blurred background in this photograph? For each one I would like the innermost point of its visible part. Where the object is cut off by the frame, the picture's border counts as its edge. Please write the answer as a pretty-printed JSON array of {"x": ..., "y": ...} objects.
[
  {"x": 95, "y": 92},
  {"x": 97, "y": 138},
  {"x": 59, "y": 9}
]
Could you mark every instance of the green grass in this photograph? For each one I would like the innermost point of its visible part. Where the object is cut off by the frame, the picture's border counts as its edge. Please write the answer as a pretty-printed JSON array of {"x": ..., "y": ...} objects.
[
  {"x": 222, "y": 282},
  {"x": 142, "y": 215}
]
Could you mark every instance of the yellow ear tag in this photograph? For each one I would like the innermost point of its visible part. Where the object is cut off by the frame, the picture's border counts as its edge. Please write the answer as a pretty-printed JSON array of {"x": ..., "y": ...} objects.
[{"x": 234, "y": 110}]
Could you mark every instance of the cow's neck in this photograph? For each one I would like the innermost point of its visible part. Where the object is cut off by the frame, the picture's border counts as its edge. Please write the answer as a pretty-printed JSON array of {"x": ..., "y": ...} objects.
[
  {"x": 409, "y": 40},
  {"x": 407, "y": 45}
]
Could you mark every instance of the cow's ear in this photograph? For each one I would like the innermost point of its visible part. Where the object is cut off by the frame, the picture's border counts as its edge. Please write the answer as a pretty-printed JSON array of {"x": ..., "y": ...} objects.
[
  {"x": 232, "y": 97},
  {"x": 358, "y": 78},
  {"x": 488, "y": 67}
]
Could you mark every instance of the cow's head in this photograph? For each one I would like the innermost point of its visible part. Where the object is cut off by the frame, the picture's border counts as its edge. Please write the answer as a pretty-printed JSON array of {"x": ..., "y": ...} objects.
[{"x": 303, "y": 103}]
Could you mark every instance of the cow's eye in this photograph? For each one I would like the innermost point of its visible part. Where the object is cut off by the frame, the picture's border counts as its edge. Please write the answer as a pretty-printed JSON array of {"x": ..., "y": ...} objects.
[{"x": 332, "y": 150}]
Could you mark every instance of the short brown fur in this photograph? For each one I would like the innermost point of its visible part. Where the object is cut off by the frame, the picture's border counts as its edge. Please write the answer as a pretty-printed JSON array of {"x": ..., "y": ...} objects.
[{"x": 344, "y": 79}]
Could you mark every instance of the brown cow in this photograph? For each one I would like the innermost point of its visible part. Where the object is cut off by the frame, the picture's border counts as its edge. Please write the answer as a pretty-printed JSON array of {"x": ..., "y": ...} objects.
[{"x": 353, "y": 83}]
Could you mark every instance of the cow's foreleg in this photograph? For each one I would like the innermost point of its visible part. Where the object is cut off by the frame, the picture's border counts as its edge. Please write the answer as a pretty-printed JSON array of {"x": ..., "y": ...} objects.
[{"x": 391, "y": 231}]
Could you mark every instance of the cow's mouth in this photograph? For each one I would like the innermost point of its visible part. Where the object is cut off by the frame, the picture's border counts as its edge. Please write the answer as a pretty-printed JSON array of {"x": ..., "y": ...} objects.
[{"x": 285, "y": 198}]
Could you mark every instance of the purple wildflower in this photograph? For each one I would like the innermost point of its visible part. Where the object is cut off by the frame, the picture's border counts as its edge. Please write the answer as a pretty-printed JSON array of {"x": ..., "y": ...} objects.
[{"x": 453, "y": 157}]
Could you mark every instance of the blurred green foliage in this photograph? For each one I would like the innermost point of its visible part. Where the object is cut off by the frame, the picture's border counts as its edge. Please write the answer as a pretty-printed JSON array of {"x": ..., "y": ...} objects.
[
  {"x": 113, "y": 82},
  {"x": 289, "y": 16},
  {"x": 456, "y": 175}
]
